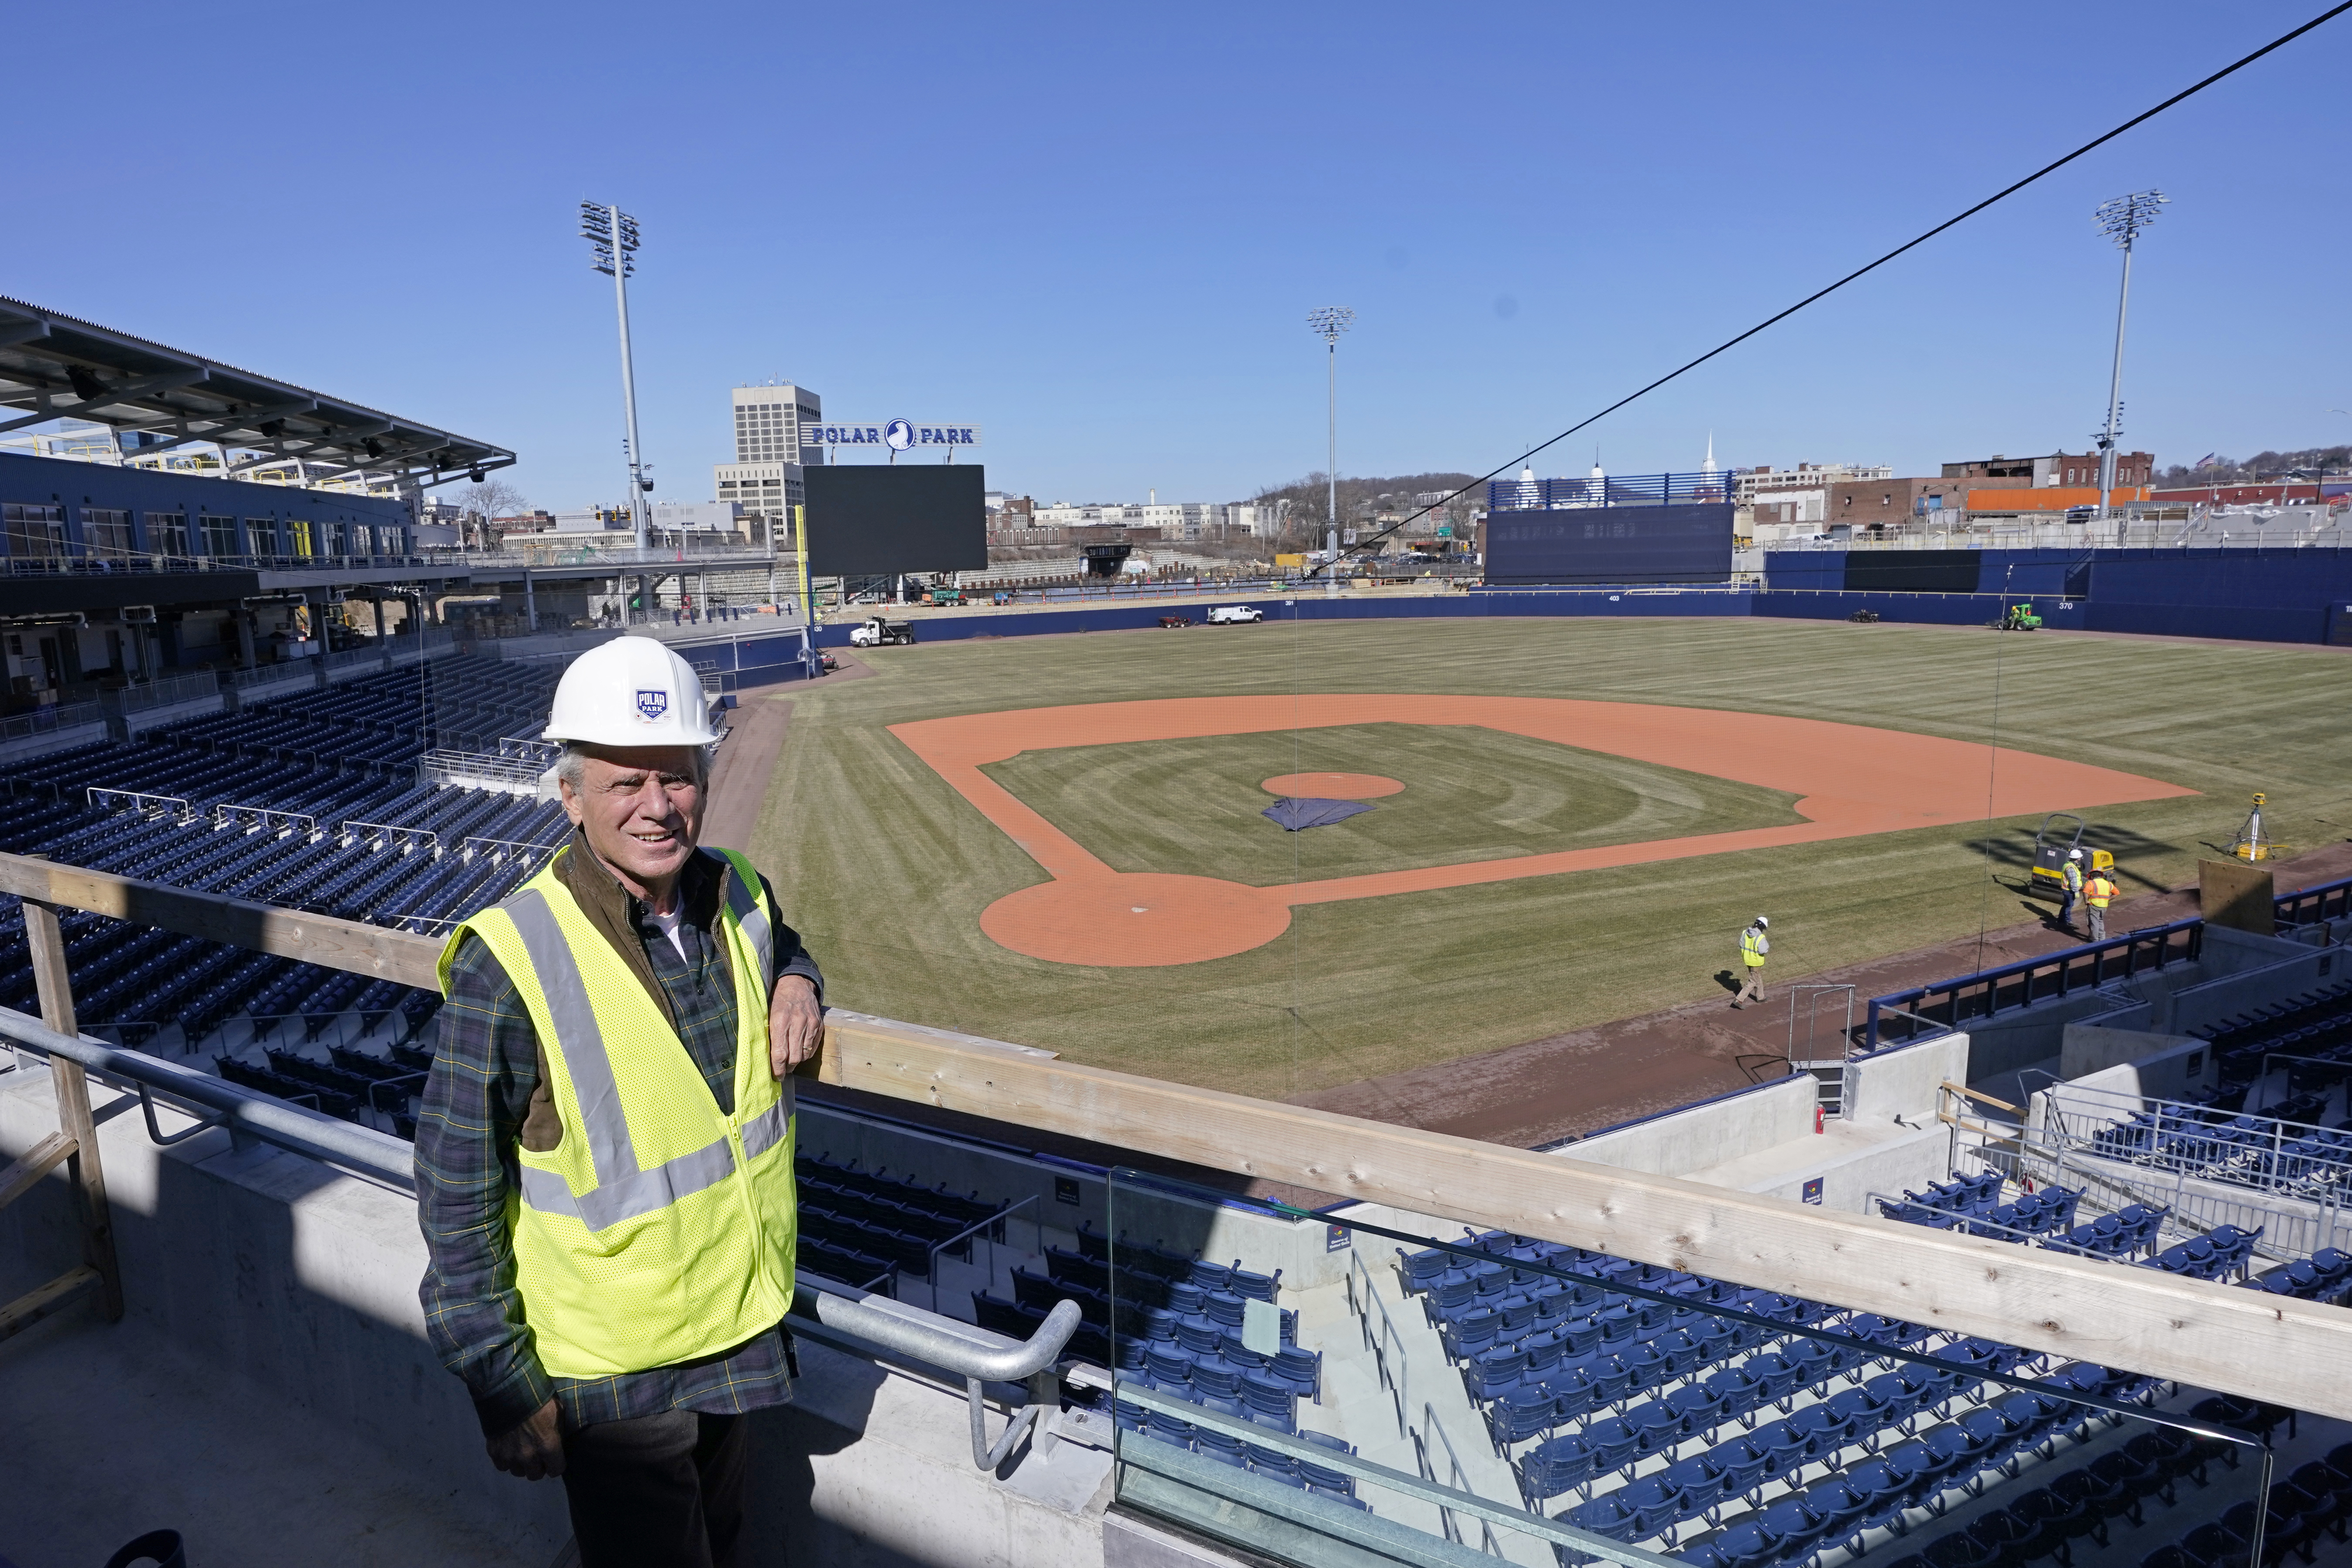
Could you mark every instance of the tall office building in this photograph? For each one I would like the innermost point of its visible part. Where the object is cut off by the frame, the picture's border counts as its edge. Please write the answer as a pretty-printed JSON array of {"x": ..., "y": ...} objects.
[
  {"x": 765, "y": 476},
  {"x": 769, "y": 421}
]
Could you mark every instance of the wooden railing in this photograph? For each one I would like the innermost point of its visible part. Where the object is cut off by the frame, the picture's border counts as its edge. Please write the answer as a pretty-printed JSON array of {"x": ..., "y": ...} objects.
[{"x": 2290, "y": 1352}]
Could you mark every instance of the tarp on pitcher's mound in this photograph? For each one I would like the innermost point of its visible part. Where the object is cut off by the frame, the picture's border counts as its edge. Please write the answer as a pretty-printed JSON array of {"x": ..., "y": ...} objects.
[{"x": 1308, "y": 812}]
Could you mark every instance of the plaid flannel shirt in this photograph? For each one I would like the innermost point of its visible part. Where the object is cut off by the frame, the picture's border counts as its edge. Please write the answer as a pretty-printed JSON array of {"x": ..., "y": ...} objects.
[{"x": 485, "y": 1072}]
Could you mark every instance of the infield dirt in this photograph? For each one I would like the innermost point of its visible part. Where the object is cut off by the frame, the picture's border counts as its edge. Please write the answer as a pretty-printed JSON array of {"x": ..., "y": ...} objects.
[{"x": 888, "y": 870}]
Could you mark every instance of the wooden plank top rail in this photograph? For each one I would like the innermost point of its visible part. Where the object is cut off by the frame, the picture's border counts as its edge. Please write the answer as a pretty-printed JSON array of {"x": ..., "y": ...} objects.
[{"x": 2290, "y": 1352}]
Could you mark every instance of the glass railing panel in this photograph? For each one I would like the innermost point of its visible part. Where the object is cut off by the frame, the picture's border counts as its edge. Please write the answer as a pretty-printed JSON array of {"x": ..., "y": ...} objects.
[{"x": 1345, "y": 1384}]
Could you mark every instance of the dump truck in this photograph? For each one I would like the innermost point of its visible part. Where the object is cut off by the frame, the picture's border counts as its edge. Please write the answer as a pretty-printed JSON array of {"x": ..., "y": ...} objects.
[{"x": 879, "y": 633}]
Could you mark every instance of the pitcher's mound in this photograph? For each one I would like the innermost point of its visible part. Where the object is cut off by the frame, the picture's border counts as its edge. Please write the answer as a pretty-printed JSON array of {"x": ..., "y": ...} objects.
[
  {"x": 1136, "y": 919},
  {"x": 1331, "y": 787}
]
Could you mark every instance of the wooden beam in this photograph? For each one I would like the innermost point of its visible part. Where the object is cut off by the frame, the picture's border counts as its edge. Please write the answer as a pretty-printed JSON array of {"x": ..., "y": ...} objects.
[
  {"x": 37, "y": 1303},
  {"x": 2296, "y": 1353},
  {"x": 47, "y": 947},
  {"x": 289, "y": 933},
  {"x": 25, "y": 1175}
]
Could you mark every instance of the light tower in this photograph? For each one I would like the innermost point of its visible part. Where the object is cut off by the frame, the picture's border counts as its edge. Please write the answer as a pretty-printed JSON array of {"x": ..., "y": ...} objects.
[
  {"x": 612, "y": 235},
  {"x": 1328, "y": 324},
  {"x": 2121, "y": 221}
]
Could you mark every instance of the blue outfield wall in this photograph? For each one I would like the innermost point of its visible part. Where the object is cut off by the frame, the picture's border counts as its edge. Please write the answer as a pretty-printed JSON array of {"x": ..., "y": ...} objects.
[
  {"x": 2282, "y": 596},
  {"x": 2261, "y": 595},
  {"x": 1475, "y": 605}
]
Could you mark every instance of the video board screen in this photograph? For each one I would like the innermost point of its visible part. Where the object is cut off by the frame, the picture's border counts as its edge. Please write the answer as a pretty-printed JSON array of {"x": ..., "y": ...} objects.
[
  {"x": 877, "y": 521},
  {"x": 1600, "y": 544}
]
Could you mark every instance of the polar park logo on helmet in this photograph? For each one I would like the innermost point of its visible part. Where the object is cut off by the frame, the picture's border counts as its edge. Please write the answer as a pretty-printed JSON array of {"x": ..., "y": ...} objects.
[{"x": 652, "y": 704}]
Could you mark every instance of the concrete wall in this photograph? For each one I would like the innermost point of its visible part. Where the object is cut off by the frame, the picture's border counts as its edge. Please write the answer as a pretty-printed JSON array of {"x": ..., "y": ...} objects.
[
  {"x": 1850, "y": 1171},
  {"x": 1903, "y": 1083},
  {"x": 1709, "y": 1134},
  {"x": 2247, "y": 972},
  {"x": 273, "y": 1272},
  {"x": 2168, "y": 1066}
]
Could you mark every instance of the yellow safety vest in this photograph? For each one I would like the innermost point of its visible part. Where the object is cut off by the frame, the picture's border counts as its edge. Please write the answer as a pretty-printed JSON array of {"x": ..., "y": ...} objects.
[
  {"x": 658, "y": 1229},
  {"x": 2098, "y": 892},
  {"x": 1750, "y": 948},
  {"x": 2071, "y": 873}
]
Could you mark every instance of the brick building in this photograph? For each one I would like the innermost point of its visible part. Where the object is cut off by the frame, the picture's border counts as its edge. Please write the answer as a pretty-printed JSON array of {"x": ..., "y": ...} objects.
[
  {"x": 2059, "y": 470},
  {"x": 1867, "y": 503}
]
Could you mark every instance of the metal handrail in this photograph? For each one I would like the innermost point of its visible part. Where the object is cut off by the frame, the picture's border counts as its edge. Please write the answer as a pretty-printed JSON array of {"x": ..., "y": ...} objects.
[
  {"x": 49, "y": 720},
  {"x": 2063, "y": 962},
  {"x": 1396, "y": 1383},
  {"x": 974, "y": 1353},
  {"x": 1461, "y": 1483},
  {"x": 1420, "y": 1488},
  {"x": 931, "y": 1260}
]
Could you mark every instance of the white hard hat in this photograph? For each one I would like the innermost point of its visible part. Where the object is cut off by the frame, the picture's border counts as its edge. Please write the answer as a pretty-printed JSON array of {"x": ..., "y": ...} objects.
[
  {"x": 2073, "y": 854},
  {"x": 631, "y": 692},
  {"x": 1762, "y": 921}
]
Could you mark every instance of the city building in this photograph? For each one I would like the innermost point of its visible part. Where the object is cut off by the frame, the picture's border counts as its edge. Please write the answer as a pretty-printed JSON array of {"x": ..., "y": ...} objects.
[
  {"x": 2057, "y": 471},
  {"x": 774, "y": 429},
  {"x": 1880, "y": 502},
  {"x": 772, "y": 425},
  {"x": 1797, "y": 495}
]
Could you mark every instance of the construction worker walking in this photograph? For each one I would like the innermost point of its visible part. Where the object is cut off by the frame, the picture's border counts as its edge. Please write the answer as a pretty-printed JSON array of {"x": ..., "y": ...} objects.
[
  {"x": 2097, "y": 893},
  {"x": 2069, "y": 887},
  {"x": 605, "y": 1161},
  {"x": 1753, "y": 945}
]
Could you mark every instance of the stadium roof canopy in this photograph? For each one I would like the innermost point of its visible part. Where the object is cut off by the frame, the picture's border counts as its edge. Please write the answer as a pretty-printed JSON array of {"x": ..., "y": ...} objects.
[{"x": 61, "y": 368}]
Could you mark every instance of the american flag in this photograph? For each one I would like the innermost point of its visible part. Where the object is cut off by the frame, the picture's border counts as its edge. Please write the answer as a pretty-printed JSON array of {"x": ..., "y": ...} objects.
[{"x": 2204, "y": 462}]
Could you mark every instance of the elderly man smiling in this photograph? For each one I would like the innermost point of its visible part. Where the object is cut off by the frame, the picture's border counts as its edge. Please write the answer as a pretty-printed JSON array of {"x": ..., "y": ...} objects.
[{"x": 605, "y": 1161}]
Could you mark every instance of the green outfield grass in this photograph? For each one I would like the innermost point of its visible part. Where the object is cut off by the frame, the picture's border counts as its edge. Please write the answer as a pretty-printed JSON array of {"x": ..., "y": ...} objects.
[
  {"x": 885, "y": 870},
  {"x": 1195, "y": 805}
]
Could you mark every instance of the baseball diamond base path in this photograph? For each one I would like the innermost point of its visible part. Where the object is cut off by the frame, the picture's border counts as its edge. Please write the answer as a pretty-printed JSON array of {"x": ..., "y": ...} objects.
[
  {"x": 1849, "y": 779},
  {"x": 1569, "y": 1085}
]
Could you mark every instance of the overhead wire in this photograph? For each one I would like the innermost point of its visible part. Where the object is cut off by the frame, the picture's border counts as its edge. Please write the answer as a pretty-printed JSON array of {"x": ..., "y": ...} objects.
[{"x": 2184, "y": 94}]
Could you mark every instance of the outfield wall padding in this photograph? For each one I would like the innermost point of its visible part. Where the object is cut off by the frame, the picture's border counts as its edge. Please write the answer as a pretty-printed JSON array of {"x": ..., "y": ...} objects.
[{"x": 2287, "y": 597}]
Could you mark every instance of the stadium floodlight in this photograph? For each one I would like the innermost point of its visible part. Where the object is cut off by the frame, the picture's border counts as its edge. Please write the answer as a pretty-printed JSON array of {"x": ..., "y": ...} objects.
[
  {"x": 612, "y": 237},
  {"x": 2121, "y": 220},
  {"x": 1328, "y": 324}
]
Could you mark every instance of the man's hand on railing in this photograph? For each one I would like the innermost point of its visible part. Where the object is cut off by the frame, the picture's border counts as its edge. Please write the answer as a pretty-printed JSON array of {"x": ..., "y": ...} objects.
[
  {"x": 795, "y": 1025},
  {"x": 532, "y": 1449}
]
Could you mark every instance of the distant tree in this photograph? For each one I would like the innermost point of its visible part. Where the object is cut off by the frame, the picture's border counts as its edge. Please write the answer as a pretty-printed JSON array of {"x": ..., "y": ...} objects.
[
  {"x": 2263, "y": 466},
  {"x": 1361, "y": 500},
  {"x": 488, "y": 499}
]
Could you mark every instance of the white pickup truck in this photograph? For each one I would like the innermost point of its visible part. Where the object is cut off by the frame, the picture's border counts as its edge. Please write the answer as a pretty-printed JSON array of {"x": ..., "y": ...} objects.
[{"x": 1235, "y": 615}]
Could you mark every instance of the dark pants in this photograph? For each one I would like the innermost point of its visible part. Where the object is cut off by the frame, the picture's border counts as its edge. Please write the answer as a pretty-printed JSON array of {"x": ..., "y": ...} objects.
[
  {"x": 658, "y": 1491},
  {"x": 2067, "y": 907}
]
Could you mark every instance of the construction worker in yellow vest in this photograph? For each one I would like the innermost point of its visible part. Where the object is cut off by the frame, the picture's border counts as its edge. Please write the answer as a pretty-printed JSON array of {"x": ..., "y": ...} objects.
[
  {"x": 2097, "y": 894},
  {"x": 1753, "y": 945},
  {"x": 2069, "y": 887},
  {"x": 604, "y": 1158}
]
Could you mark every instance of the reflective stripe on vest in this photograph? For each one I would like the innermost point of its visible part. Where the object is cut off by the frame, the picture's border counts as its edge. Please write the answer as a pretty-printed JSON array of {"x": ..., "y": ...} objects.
[
  {"x": 2099, "y": 892},
  {"x": 624, "y": 1190},
  {"x": 1749, "y": 949}
]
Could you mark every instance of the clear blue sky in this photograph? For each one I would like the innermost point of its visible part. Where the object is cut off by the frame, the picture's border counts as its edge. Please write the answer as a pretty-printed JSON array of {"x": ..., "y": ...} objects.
[{"x": 1095, "y": 231}]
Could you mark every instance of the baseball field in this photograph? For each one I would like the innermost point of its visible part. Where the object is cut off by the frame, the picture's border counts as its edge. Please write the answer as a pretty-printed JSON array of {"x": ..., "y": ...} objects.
[{"x": 1059, "y": 840}]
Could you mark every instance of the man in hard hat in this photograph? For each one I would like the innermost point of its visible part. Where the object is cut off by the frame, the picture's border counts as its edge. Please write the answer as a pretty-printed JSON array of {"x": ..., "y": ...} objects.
[
  {"x": 1753, "y": 945},
  {"x": 2097, "y": 894},
  {"x": 2069, "y": 887},
  {"x": 605, "y": 1161}
]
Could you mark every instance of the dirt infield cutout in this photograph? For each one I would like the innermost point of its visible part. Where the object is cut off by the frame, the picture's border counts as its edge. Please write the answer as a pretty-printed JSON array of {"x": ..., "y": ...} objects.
[
  {"x": 1332, "y": 786},
  {"x": 1849, "y": 779}
]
